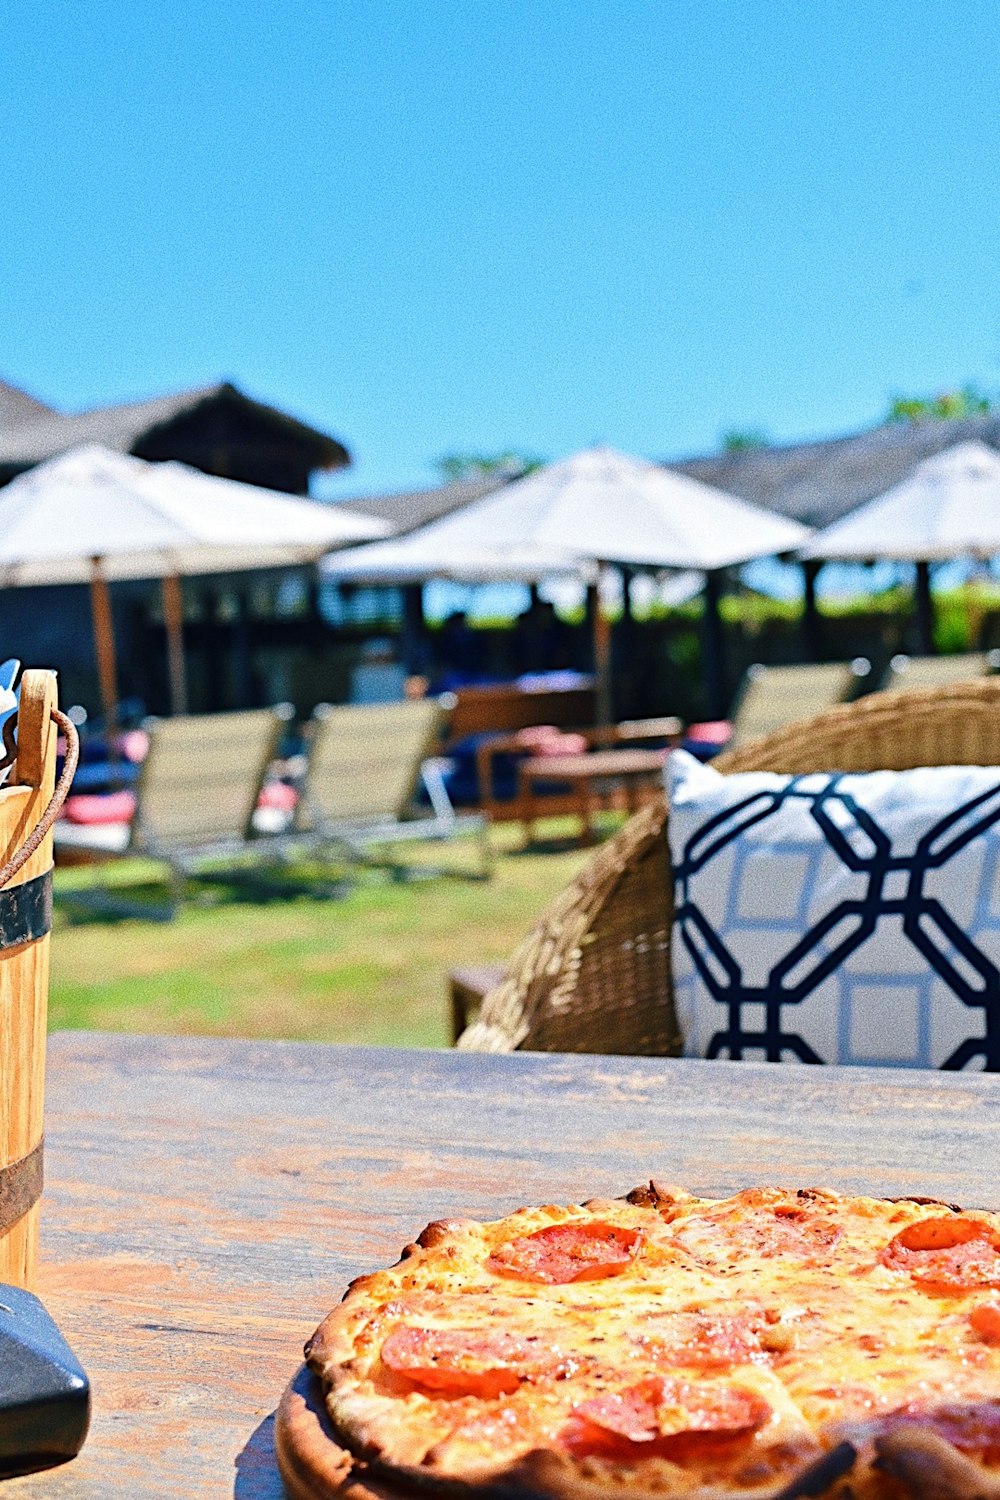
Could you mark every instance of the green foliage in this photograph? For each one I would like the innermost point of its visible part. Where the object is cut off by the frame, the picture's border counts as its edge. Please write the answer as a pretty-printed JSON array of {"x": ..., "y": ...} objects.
[
  {"x": 744, "y": 440},
  {"x": 968, "y": 401},
  {"x": 458, "y": 466}
]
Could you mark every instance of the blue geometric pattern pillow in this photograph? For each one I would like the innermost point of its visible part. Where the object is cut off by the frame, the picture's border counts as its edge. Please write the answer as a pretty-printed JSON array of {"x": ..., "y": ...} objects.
[{"x": 837, "y": 918}]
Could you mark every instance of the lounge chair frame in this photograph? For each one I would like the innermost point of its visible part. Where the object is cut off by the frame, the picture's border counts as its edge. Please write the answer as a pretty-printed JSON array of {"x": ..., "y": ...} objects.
[
  {"x": 365, "y": 764},
  {"x": 195, "y": 798}
]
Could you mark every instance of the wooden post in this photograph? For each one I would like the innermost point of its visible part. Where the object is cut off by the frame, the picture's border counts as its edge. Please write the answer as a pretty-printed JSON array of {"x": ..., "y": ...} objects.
[
  {"x": 414, "y": 635},
  {"x": 713, "y": 667},
  {"x": 25, "y": 917},
  {"x": 811, "y": 631},
  {"x": 924, "y": 608},
  {"x": 173, "y": 619},
  {"x": 601, "y": 626},
  {"x": 104, "y": 643}
]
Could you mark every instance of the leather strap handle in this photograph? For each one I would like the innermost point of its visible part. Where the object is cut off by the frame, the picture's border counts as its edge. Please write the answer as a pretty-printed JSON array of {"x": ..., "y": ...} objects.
[
  {"x": 20, "y": 1187},
  {"x": 21, "y": 856}
]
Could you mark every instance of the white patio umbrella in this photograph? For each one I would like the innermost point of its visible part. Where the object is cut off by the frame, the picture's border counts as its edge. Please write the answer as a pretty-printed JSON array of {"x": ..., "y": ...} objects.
[
  {"x": 421, "y": 556},
  {"x": 949, "y": 507},
  {"x": 92, "y": 516},
  {"x": 598, "y": 507}
]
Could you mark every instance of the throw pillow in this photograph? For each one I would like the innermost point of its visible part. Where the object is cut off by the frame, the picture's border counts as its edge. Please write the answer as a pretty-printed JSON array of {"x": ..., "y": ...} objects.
[{"x": 837, "y": 917}]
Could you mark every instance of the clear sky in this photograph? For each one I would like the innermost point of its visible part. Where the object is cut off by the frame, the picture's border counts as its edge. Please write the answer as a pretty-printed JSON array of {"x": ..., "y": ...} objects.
[{"x": 475, "y": 225}]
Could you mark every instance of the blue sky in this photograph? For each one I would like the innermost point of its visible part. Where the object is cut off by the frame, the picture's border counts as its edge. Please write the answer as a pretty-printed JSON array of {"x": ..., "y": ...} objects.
[{"x": 472, "y": 226}]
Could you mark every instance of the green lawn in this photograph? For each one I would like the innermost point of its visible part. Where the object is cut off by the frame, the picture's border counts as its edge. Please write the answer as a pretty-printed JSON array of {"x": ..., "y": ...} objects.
[{"x": 367, "y": 967}]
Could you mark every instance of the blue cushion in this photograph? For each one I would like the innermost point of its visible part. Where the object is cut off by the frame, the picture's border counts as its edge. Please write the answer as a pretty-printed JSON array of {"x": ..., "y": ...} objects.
[{"x": 838, "y": 918}]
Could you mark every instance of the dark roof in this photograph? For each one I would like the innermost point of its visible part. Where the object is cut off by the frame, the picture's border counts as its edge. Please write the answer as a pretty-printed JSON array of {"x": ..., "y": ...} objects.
[
  {"x": 17, "y": 406},
  {"x": 415, "y": 508},
  {"x": 817, "y": 483},
  {"x": 47, "y": 433}
]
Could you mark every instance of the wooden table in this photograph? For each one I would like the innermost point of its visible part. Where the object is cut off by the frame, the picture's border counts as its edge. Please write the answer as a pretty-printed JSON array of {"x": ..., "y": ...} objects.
[
  {"x": 207, "y": 1202},
  {"x": 589, "y": 775}
]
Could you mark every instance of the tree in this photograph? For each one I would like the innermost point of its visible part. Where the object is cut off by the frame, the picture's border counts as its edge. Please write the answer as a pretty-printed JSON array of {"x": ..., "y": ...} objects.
[
  {"x": 968, "y": 401},
  {"x": 458, "y": 466},
  {"x": 744, "y": 440}
]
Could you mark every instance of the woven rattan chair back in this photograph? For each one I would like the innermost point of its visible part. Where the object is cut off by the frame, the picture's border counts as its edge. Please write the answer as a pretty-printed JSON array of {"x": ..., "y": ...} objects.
[
  {"x": 200, "y": 781},
  {"x": 364, "y": 760},
  {"x": 771, "y": 697},
  {"x": 594, "y": 973}
]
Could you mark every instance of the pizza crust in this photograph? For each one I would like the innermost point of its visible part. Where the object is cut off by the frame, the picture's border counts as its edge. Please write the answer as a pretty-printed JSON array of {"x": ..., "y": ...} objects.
[{"x": 342, "y": 1432}]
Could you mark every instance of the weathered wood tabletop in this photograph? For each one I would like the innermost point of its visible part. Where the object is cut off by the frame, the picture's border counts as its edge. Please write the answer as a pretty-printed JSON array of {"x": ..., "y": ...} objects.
[{"x": 207, "y": 1202}]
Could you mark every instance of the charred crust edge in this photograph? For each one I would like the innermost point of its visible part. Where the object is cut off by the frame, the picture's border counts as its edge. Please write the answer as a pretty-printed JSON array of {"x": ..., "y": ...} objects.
[
  {"x": 928, "y": 1465},
  {"x": 922, "y": 1202},
  {"x": 657, "y": 1195}
]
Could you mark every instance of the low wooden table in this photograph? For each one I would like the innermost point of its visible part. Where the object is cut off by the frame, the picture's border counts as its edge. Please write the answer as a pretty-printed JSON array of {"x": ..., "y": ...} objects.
[
  {"x": 590, "y": 775},
  {"x": 207, "y": 1202}
]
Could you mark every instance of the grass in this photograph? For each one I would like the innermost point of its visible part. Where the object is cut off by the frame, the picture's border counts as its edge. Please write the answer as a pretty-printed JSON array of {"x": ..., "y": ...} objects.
[{"x": 369, "y": 966}]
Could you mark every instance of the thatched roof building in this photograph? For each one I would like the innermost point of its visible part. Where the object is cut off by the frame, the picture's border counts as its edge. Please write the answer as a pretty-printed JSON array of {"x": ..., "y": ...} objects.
[
  {"x": 817, "y": 483},
  {"x": 414, "y": 508},
  {"x": 217, "y": 429}
]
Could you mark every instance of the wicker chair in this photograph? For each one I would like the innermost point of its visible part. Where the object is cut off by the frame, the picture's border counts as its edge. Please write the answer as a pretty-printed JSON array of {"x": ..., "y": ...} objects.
[{"x": 594, "y": 974}]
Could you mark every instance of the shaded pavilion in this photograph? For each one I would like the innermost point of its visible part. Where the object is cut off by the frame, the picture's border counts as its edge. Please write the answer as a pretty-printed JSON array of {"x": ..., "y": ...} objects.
[
  {"x": 92, "y": 515},
  {"x": 948, "y": 508},
  {"x": 597, "y": 509}
]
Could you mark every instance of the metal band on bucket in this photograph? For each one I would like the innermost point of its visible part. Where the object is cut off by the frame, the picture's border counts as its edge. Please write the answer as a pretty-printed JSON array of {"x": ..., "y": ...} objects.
[
  {"x": 20, "y": 1187},
  {"x": 26, "y": 911}
]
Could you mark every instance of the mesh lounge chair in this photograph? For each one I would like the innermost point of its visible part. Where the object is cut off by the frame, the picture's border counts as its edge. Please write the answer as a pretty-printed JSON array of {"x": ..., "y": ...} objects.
[
  {"x": 365, "y": 766},
  {"x": 594, "y": 974},
  {"x": 195, "y": 795},
  {"x": 771, "y": 697},
  {"x": 939, "y": 671}
]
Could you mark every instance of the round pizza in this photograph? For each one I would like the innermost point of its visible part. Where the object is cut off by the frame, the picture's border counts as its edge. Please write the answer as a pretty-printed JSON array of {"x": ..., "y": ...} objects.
[{"x": 773, "y": 1344}]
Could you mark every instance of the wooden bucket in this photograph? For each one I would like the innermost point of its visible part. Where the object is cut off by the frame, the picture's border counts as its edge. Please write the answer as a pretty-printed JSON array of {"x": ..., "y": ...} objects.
[{"x": 25, "y": 919}]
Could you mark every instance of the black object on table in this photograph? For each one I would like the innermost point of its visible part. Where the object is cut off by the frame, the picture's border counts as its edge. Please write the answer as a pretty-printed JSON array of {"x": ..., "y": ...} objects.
[{"x": 44, "y": 1393}]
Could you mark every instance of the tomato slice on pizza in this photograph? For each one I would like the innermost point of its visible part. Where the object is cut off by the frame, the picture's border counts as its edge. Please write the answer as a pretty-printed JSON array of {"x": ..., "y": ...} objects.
[
  {"x": 947, "y": 1255},
  {"x": 663, "y": 1417},
  {"x": 563, "y": 1253}
]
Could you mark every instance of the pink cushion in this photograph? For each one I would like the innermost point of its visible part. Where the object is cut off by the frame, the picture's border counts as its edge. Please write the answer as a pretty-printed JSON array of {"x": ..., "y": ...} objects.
[
  {"x": 134, "y": 745},
  {"x": 711, "y": 732},
  {"x": 278, "y": 794},
  {"x": 546, "y": 739},
  {"x": 563, "y": 744},
  {"x": 107, "y": 807}
]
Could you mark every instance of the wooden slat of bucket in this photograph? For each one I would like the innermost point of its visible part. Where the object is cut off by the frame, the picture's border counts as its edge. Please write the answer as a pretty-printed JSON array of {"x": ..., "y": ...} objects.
[{"x": 24, "y": 970}]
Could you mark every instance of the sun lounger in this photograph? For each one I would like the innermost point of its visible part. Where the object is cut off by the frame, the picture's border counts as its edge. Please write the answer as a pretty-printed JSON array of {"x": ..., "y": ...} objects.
[
  {"x": 771, "y": 697},
  {"x": 365, "y": 767},
  {"x": 939, "y": 671},
  {"x": 195, "y": 796}
]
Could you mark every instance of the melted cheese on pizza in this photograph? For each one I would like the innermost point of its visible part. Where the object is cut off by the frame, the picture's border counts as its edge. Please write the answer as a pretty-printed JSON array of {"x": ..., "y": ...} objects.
[{"x": 672, "y": 1343}]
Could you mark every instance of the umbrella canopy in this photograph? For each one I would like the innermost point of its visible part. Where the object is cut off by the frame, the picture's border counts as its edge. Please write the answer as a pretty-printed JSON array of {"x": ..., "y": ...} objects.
[
  {"x": 418, "y": 558},
  {"x": 92, "y": 515},
  {"x": 949, "y": 507},
  {"x": 599, "y": 506},
  {"x": 152, "y": 520}
]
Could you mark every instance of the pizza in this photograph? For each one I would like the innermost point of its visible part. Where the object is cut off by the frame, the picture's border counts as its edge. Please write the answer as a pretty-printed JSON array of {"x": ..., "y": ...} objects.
[{"x": 773, "y": 1344}]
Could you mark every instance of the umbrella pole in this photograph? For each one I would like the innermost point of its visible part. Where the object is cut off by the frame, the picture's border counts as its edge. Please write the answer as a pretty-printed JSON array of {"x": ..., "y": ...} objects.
[
  {"x": 924, "y": 609},
  {"x": 173, "y": 619},
  {"x": 713, "y": 646},
  {"x": 602, "y": 651},
  {"x": 811, "y": 633},
  {"x": 104, "y": 643}
]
